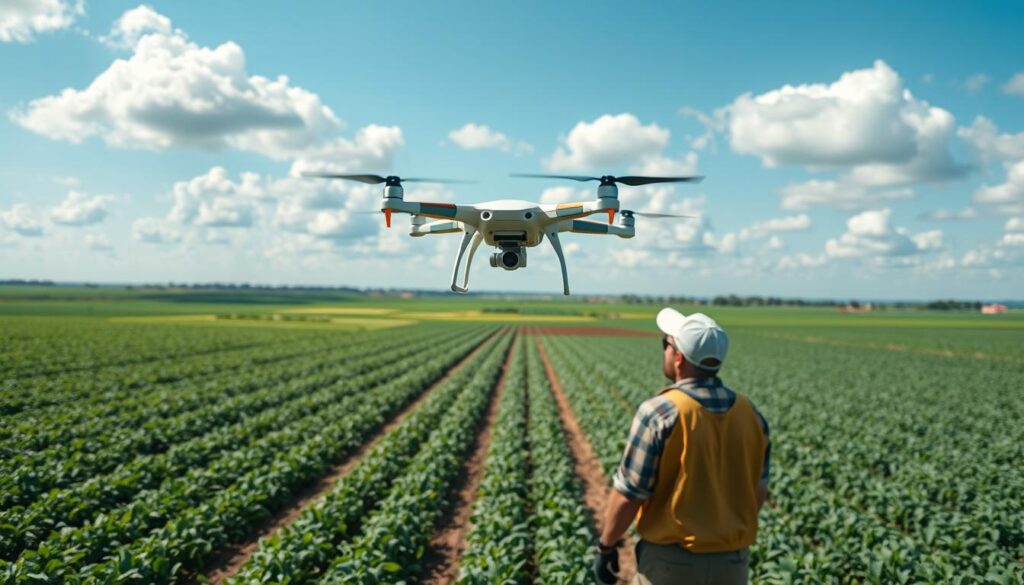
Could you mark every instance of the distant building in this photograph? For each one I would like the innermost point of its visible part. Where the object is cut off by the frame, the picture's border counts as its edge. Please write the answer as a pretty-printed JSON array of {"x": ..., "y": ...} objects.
[{"x": 992, "y": 309}]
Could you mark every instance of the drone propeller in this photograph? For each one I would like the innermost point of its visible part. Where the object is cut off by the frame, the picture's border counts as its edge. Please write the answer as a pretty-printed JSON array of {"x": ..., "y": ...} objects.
[
  {"x": 629, "y": 213},
  {"x": 391, "y": 180},
  {"x": 610, "y": 180}
]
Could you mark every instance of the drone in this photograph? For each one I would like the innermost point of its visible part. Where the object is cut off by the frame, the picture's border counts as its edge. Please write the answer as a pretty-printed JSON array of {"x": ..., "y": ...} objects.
[{"x": 510, "y": 225}]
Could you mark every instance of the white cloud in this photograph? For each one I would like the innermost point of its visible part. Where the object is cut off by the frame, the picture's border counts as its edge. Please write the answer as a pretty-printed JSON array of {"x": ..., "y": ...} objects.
[
  {"x": 870, "y": 235},
  {"x": 663, "y": 166},
  {"x": 983, "y": 136},
  {"x": 775, "y": 243},
  {"x": 866, "y": 124},
  {"x": 1007, "y": 197},
  {"x": 765, "y": 228},
  {"x": 213, "y": 200},
  {"x": 1015, "y": 224},
  {"x": 609, "y": 141},
  {"x": 838, "y": 194},
  {"x": 1015, "y": 85},
  {"x": 479, "y": 136},
  {"x": 130, "y": 27},
  {"x": 22, "y": 220},
  {"x": 1012, "y": 241},
  {"x": 950, "y": 215},
  {"x": 153, "y": 230},
  {"x": 78, "y": 209},
  {"x": 173, "y": 93},
  {"x": 21, "y": 20},
  {"x": 799, "y": 261},
  {"x": 976, "y": 82}
]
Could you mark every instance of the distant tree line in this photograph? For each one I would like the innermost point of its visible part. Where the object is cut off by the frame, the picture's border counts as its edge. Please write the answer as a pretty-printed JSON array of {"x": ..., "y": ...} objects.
[{"x": 24, "y": 282}]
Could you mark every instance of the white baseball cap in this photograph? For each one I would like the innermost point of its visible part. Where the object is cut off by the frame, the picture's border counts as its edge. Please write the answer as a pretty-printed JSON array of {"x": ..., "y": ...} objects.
[{"x": 697, "y": 336}]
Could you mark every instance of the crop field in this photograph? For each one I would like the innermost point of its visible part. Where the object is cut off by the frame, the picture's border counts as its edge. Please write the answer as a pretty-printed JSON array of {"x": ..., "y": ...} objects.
[{"x": 297, "y": 440}]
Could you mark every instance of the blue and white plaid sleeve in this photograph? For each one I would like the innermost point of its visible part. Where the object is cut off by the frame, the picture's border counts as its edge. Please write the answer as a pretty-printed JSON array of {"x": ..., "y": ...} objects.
[
  {"x": 767, "y": 469},
  {"x": 638, "y": 471}
]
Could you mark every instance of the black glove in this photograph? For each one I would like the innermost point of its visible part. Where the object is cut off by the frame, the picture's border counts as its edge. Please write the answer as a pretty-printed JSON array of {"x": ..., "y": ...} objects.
[{"x": 606, "y": 563}]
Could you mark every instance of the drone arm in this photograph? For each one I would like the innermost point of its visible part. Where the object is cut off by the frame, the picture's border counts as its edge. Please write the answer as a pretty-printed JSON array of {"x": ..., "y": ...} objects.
[
  {"x": 470, "y": 235},
  {"x": 577, "y": 226},
  {"x": 434, "y": 227},
  {"x": 557, "y": 245}
]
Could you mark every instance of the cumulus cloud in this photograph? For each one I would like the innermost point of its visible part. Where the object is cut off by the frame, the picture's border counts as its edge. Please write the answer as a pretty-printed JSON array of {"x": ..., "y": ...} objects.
[
  {"x": 21, "y": 20},
  {"x": 213, "y": 199},
  {"x": 479, "y": 136},
  {"x": 78, "y": 209},
  {"x": 838, "y": 195},
  {"x": 985, "y": 139},
  {"x": 153, "y": 230},
  {"x": 950, "y": 215},
  {"x": 866, "y": 125},
  {"x": 609, "y": 141},
  {"x": 765, "y": 228},
  {"x": 1007, "y": 197},
  {"x": 130, "y": 27},
  {"x": 1015, "y": 224},
  {"x": 870, "y": 234},
  {"x": 21, "y": 220},
  {"x": 801, "y": 260},
  {"x": 173, "y": 93},
  {"x": 1015, "y": 85}
]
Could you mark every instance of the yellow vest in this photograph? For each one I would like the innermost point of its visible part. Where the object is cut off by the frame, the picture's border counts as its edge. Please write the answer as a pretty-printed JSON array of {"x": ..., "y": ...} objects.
[{"x": 705, "y": 497}]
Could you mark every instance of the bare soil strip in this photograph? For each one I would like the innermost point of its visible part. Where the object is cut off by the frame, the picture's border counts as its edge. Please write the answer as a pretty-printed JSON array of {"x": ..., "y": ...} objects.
[
  {"x": 588, "y": 468},
  {"x": 441, "y": 560},
  {"x": 231, "y": 559}
]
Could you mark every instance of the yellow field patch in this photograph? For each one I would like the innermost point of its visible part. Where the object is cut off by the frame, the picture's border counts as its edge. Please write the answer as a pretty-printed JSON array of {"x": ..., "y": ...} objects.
[
  {"x": 494, "y": 317},
  {"x": 335, "y": 324},
  {"x": 340, "y": 311}
]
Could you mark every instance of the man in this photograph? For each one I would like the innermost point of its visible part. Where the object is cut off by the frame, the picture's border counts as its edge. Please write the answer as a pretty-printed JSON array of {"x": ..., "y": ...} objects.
[{"x": 695, "y": 471}]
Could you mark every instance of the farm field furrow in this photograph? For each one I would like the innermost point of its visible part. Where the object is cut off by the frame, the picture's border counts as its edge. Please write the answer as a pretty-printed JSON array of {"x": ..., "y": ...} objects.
[
  {"x": 853, "y": 464},
  {"x": 306, "y": 547},
  {"x": 74, "y": 506},
  {"x": 28, "y": 475},
  {"x": 193, "y": 451},
  {"x": 195, "y": 514},
  {"x": 394, "y": 537}
]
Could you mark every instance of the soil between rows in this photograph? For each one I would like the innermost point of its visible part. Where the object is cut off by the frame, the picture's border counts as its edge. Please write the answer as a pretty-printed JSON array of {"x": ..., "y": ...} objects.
[
  {"x": 441, "y": 560},
  {"x": 588, "y": 468},
  {"x": 231, "y": 559}
]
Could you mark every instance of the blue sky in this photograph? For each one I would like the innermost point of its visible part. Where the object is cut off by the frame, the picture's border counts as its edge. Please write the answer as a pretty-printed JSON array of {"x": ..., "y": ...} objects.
[{"x": 850, "y": 150}]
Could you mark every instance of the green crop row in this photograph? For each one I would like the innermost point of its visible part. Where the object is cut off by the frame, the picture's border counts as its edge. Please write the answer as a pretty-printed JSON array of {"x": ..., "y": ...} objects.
[
  {"x": 192, "y": 516},
  {"x": 26, "y": 527},
  {"x": 529, "y": 523},
  {"x": 300, "y": 552},
  {"x": 884, "y": 470},
  {"x": 562, "y": 526},
  {"x": 26, "y": 476},
  {"x": 395, "y": 536},
  {"x": 498, "y": 546}
]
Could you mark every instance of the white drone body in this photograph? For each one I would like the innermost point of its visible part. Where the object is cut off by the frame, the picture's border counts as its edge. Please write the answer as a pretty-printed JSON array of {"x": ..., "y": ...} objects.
[{"x": 509, "y": 225}]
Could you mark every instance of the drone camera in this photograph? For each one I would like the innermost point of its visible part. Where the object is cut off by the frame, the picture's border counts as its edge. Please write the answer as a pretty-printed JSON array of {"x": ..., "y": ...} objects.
[{"x": 509, "y": 258}]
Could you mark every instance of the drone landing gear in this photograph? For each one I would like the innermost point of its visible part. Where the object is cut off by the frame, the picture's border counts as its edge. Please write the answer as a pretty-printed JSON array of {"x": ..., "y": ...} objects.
[
  {"x": 476, "y": 237},
  {"x": 557, "y": 245}
]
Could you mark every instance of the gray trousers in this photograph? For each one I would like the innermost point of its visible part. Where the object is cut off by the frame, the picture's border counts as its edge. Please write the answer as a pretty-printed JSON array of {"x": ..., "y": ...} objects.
[{"x": 668, "y": 564}]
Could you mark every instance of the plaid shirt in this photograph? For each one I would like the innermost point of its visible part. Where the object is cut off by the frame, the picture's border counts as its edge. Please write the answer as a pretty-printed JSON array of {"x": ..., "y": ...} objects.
[{"x": 654, "y": 422}]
